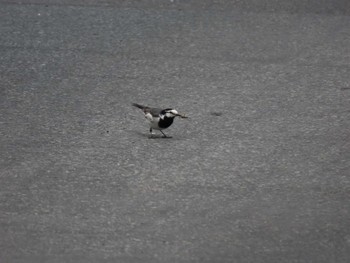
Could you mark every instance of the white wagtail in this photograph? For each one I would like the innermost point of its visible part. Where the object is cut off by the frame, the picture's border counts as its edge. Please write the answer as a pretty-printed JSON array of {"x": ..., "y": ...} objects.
[{"x": 159, "y": 119}]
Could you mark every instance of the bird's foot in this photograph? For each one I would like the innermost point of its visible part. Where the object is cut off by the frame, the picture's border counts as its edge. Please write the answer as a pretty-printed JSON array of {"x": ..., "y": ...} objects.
[
  {"x": 155, "y": 136},
  {"x": 164, "y": 135}
]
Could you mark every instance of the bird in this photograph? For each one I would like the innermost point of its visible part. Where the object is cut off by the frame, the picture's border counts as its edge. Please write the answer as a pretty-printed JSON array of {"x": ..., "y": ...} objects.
[{"x": 159, "y": 119}]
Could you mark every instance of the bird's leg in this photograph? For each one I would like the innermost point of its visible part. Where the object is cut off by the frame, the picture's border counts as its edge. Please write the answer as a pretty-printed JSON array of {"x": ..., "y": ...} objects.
[
  {"x": 151, "y": 131},
  {"x": 164, "y": 136}
]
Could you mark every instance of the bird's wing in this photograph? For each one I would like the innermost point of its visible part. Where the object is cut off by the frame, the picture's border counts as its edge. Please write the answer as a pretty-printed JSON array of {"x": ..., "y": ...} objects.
[
  {"x": 154, "y": 111},
  {"x": 152, "y": 115},
  {"x": 149, "y": 117}
]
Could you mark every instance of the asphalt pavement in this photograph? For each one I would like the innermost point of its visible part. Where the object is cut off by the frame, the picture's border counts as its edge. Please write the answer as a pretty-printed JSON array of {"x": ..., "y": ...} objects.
[{"x": 259, "y": 172}]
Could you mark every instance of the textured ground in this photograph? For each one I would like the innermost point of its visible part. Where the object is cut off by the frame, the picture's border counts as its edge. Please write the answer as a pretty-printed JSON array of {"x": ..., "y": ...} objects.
[{"x": 259, "y": 173}]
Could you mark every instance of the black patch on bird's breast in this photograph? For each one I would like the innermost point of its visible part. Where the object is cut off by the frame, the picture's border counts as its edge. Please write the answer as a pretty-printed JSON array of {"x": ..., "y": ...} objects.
[{"x": 165, "y": 122}]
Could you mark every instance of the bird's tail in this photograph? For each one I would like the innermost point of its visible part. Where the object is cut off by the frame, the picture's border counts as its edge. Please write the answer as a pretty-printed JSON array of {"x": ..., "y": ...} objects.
[{"x": 139, "y": 106}]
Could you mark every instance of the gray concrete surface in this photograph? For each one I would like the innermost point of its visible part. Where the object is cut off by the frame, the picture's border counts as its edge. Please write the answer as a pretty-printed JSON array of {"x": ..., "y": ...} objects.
[{"x": 259, "y": 173}]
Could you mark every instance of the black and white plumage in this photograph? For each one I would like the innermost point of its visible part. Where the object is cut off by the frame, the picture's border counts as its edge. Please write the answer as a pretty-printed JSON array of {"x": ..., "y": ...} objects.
[{"x": 159, "y": 119}]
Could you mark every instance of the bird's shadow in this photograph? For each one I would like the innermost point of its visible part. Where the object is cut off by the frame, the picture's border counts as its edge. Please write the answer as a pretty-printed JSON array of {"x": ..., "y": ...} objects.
[{"x": 152, "y": 136}]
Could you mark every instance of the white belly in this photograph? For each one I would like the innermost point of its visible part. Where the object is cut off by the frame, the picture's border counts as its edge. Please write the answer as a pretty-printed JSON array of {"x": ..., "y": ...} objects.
[{"x": 153, "y": 121}]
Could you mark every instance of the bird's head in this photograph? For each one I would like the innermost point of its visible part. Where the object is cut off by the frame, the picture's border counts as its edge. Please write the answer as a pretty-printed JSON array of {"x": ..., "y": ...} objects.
[{"x": 171, "y": 113}]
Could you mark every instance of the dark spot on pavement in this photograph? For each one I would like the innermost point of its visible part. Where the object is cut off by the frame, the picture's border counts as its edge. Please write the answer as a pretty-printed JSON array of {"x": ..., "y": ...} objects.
[{"x": 216, "y": 113}]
